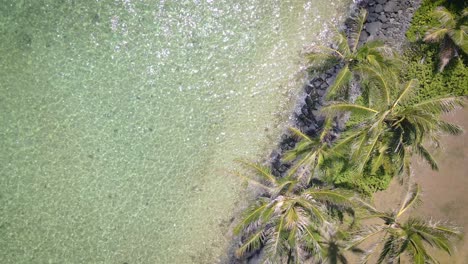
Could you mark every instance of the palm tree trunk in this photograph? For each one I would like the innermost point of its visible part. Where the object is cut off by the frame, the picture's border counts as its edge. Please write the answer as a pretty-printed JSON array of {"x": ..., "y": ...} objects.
[{"x": 447, "y": 52}]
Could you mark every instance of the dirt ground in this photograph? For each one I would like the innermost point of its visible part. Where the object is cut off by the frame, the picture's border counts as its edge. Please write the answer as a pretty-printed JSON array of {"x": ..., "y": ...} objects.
[{"x": 445, "y": 193}]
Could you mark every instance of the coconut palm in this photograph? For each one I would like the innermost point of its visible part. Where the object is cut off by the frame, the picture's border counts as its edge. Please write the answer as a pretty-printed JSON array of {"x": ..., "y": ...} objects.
[
  {"x": 285, "y": 222},
  {"x": 335, "y": 242},
  {"x": 451, "y": 32},
  {"x": 347, "y": 52},
  {"x": 409, "y": 237},
  {"x": 394, "y": 127},
  {"x": 309, "y": 151}
]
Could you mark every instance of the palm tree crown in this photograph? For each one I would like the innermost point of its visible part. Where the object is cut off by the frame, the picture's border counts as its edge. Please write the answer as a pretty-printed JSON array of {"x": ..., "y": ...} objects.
[
  {"x": 287, "y": 221},
  {"x": 394, "y": 127},
  {"x": 404, "y": 237},
  {"x": 451, "y": 32},
  {"x": 347, "y": 52}
]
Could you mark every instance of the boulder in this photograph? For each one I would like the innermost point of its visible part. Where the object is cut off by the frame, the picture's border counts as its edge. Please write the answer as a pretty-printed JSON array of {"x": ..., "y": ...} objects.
[
  {"x": 379, "y": 8},
  {"x": 363, "y": 37},
  {"x": 391, "y": 6},
  {"x": 383, "y": 18},
  {"x": 372, "y": 17},
  {"x": 373, "y": 27},
  {"x": 308, "y": 88}
]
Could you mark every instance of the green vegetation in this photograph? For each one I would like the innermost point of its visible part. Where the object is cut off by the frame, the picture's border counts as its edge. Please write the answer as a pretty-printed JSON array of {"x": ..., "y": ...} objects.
[
  {"x": 450, "y": 32},
  {"x": 297, "y": 219},
  {"x": 353, "y": 57},
  {"x": 421, "y": 64},
  {"x": 422, "y": 60}
]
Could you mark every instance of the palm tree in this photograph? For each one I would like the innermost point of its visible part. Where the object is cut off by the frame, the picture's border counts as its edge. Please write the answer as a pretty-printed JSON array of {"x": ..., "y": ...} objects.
[
  {"x": 451, "y": 32},
  {"x": 409, "y": 237},
  {"x": 311, "y": 152},
  {"x": 394, "y": 127},
  {"x": 335, "y": 242},
  {"x": 347, "y": 52},
  {"x": 286, "y": 221}
]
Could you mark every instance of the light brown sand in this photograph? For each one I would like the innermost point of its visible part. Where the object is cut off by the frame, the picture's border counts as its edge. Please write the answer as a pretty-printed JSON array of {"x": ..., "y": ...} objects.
[{"x": 445, "y": 193}]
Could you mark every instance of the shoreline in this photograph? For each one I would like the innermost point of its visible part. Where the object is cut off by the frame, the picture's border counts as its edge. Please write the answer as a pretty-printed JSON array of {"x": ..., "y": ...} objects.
[
  {"x": 387, "y": 20},
  {"x": 307, "y": 116}
]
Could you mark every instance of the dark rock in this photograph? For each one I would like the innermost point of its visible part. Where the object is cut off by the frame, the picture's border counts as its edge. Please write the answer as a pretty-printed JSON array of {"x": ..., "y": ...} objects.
[
  {"x": 364, "y": 35},
  {"x": 314, "y": 96},
  {"x": 381, "y": 1},
  {"x": 304, "y": 119},
  {"x": 372, "y": 17},
  {"x": 391, "y": 6},
  {"x": 373, "y": 27},
  {"x": 379, "y": 8},
  {"x": 322, "y": 92},
  {"x": 283, "y": 168},
  {"x": 383, "y": 18},
  {"x": 308, "y": 88},
  {"x": 309, "y": 102},
  {"x": 305, "y": 110},
  {"x": 324, "y": 86}
]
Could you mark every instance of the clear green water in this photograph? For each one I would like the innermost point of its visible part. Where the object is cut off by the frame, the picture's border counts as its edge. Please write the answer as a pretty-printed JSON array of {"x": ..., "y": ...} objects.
[{"x": 120, "y": 120}]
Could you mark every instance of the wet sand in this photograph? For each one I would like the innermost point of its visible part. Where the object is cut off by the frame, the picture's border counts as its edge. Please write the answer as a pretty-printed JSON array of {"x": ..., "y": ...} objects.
[{"x": 445, "y": 193}]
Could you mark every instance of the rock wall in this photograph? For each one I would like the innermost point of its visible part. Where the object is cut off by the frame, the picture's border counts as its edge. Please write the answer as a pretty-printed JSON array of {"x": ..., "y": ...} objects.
[{"x": 388, "y": 20}]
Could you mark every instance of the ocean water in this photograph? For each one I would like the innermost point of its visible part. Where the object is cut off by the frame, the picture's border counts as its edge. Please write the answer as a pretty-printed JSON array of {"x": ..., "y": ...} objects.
[{"x": 120, "y": 121}]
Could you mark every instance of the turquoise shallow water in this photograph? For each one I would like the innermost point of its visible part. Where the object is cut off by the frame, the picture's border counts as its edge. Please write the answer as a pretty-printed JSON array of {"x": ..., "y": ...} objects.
[{"x": 119, "y": 121}]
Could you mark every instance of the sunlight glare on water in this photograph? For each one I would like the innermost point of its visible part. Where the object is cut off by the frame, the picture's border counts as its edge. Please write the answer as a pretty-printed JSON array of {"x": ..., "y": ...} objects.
[{"x": 120, "y": 121}]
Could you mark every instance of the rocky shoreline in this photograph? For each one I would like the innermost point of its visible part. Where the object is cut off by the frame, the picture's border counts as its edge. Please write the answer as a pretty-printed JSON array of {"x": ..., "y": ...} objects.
[{"x": 387, "y": 20}]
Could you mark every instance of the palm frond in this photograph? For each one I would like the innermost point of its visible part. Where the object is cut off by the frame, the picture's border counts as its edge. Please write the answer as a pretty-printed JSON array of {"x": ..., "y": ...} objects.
[
  {"x": 412, "y": 197},
  {"x": 424, "y": 153},
  {"x": 252, "y": 214},
  {"x": 327, "y": 126},
  {"x": 341, "y": 82},
  {"x": 445, "y": 17},
  {"x": 311, "y": 238},
  {"x": 316, "y": 213},
  {"x": 465, "y": 12},
  {"x": 254, "y": 242},
  {"x": 459, "y": 37},
  {"x": 370, "y": 149},
  {"x": 408, "y": 88},
  {"x": 359, "y": 25},
  {"x": 345, "y": 142},
  {"x": 381, "y": 81},
  {"x": 387, "y": 249},
  {"x": 432, "y": 235},
  {"x": 262, "y": 171},
  {"x": 334, "y": 109},
  {"x": 379, "y": 161},
  {"x": 296, "y": 132},
  {"x": 435, "y": 34},
  {"x": 253, "y": 182},
  {"x": 321, "y": 58},
  {"x": 364, "y": 235},
  {"x": 276, "y": 241},
  {"x": 336, "y": 197},
  {"x": 342, "y": 44},
  {"x": 462, "y": 41},
  {"x": 440, "y": 105}
]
